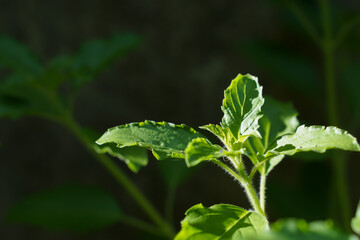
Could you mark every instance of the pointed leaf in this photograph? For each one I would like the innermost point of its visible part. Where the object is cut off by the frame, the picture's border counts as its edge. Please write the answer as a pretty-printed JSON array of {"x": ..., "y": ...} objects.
[
  {"x": 166, "y": 140},
  {"x": 317, "y": 139},
  {"x": 242, "y": 106},
  {"x": 74, "y": 208},
  {"x": 200, "y": 150},
  {"x": 221, "y": 221},
  {"x": 223, "y": 134},
  {"x": 355, "y": 222}
]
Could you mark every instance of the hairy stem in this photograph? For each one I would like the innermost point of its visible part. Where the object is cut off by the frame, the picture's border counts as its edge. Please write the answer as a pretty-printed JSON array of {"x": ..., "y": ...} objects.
[
  {"x": 262, "y": 190},
  {"x": 246, "y": 184},
  {"x": 121, "y": 178},
  {"x": 338, "y": 161}
]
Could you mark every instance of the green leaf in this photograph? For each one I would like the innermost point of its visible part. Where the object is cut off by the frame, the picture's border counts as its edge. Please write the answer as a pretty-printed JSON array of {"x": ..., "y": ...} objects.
[
  {"x": 74, "y": 208},
  {"x": 225, "y": 136},
  {"x": 20, "y": 95},
  {"x": 18, "y": 58},
  {"x": 221, "y": 221},
  {"x": 355, "y": 222},
  {"x": 315, "y": 138},
  {"x": 199, "y": 150},
  {"x": 278, "y": 119},
  {"x": 165, "y": 140},
  {"x": 134, "y": 157},
  {"x": 96, "y": 55},
  {"x": 296, "y": 229},
  {"x": 242, "y": 106}
]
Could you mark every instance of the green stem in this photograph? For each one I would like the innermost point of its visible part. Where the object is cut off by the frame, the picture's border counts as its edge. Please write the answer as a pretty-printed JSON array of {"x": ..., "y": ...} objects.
[
  {"x": 338, "y": 160},
  {"x": 305, "y": 22},
  {"x": 169, "y": 203},
  {"x": 136, "y": 223},
  {"x": 262, "y": 190},
  {"x": 245, "y": 183},
  {"x": 121, "y": 178}
]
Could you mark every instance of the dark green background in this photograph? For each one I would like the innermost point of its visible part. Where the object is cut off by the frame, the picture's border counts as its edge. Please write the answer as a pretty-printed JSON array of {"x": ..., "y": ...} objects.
[{"x": 190, "y": 53}]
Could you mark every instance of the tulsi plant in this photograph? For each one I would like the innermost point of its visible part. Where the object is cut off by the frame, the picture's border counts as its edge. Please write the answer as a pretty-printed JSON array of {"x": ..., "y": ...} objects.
[{"x": 261, "y": 130}]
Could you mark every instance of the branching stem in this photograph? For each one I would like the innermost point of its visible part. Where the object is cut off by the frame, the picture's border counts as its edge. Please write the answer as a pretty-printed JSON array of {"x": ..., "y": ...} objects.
[
  {"x": 262, "y": 190},
  {"x": 246, "y": 184}
]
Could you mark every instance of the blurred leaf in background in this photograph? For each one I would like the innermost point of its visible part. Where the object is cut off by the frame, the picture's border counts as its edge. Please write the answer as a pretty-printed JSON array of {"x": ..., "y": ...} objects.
[
  {"x": 32, "y": 88},
  {"x": 73, "y": 208}
]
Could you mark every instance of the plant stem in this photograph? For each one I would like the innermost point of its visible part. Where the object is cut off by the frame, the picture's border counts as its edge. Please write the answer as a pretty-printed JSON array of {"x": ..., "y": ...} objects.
[
  {"x": 305, "y": 22},
  {"x": 262, "y": 190},
  {"x": 136, "y": 223},
  {"x": 338, "y": 160},
  {"x": 169, "y": 203},
  {"x": 245, "y": 183},
  {"x": 120, "y": 177}
]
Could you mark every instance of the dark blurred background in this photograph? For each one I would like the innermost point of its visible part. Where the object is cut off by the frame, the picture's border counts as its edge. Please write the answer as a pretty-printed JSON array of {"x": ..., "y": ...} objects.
[{"x": 190, "y": 52}]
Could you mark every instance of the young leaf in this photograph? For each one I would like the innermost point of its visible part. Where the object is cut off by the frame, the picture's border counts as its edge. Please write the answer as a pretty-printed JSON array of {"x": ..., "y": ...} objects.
[
  {"x": 74, "y": 208},
  {"x": 242, "y": 106},
  {"x": 317, "y": 139},
  {"x": 221, "y": 221},
  {"x": 278, "y": 119},
  {"x": 134, "y": 157},
  {"x": 165, "y": 140},
  {"x": 200, "y": 150},
  {"x": 355, "y": 222}
]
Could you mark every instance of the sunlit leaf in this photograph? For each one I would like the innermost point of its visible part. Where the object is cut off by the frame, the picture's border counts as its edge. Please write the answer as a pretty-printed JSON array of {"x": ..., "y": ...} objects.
[
  {"x": 221, "y": 221},
  {"x": 242, "y": 106},
  {"x": 355, "y": 222},
  {"x": 165, "y": 140},
  {"x": 317, "y": 139},
  {"x": 200, "y": 150}
]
